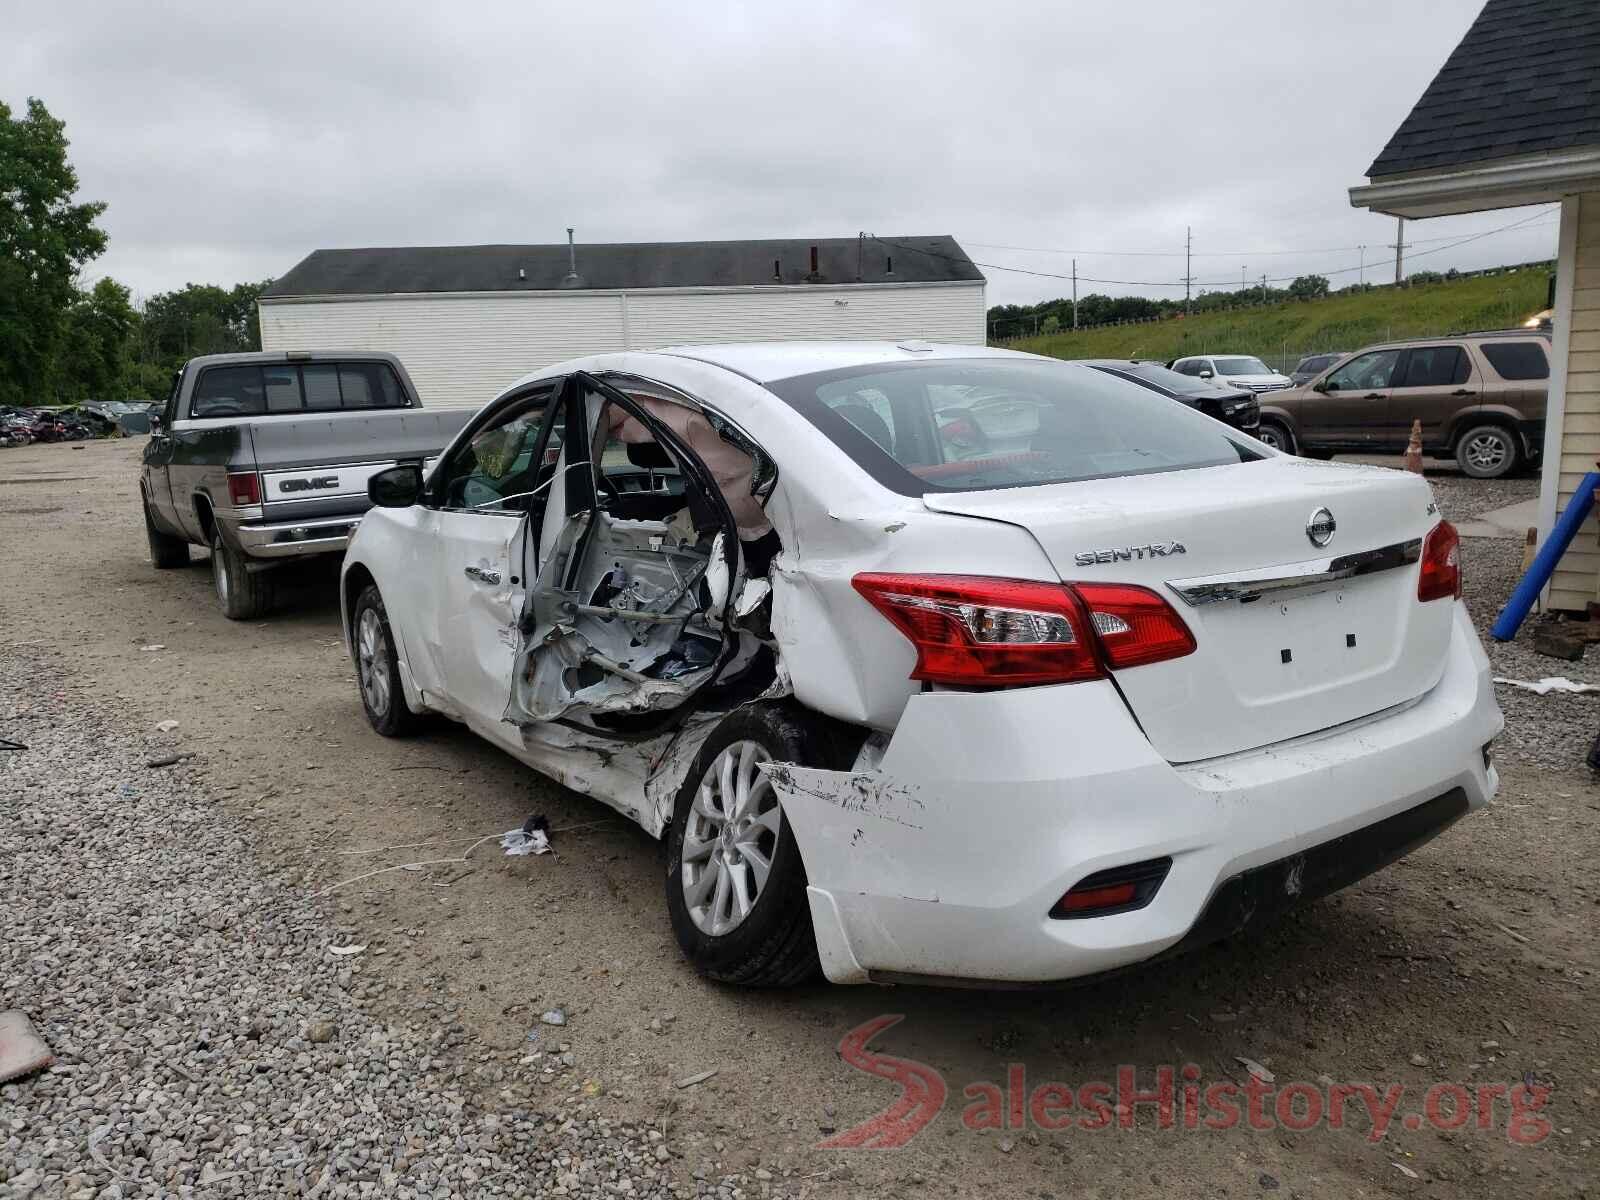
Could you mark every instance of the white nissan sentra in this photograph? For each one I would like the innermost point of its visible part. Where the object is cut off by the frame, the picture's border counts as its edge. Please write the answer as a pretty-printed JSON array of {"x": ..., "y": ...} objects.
[{"x": 932, "y": 662}]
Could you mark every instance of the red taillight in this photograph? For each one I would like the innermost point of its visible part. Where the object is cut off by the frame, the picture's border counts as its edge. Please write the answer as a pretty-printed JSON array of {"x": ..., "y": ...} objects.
[
  {"x": 244, "y": 487},
  {"x": 1441, "y": 564},
  {"x": 1114, "y": 896},
  {"x": 1135, "y": 625},
  {"x": 976, "y": 631}
]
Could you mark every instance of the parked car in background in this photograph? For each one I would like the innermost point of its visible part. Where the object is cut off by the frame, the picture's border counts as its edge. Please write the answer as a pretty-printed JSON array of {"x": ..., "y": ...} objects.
[
  {"x": 1235, "y": 370},
  {"x": 1312, "y": 365},
  {"x": 266, "y": 456},
  {"x": 1480, "y": 398},
  {"x": 902, "y": 711},
  {"x": 1232, "y": 406}
]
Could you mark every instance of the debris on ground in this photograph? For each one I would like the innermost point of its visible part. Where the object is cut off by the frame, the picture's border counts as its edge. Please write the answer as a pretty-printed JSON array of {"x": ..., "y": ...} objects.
[
  {"x": 688, "y": 1081},
  {"x": 22, "y": 1051},
  {"x": 532, "y": 838},
  {"x": 166, "y": 726},
  {"x": 554, "y": 1016},
  {"x": 5, "y": 745},
  {"x": 169, "y": 760},
  {"x": 153, "y": 646},
  {"x": 345, "y": 951},
  {"x": 1551, "y": 683},
  {"x": 1255, "y": 1068},
  {"x": 1559, "y": 639}
]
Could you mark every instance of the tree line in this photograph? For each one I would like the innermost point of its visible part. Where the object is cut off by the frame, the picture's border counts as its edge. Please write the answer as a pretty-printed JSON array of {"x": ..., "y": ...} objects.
[{"x": 63, "y": 341}]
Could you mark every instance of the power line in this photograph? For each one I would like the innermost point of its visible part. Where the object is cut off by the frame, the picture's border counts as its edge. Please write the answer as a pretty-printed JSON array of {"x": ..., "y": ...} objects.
[
  {"x": 1201, "y": 253},
  {"x": 1183, "y": 283}
]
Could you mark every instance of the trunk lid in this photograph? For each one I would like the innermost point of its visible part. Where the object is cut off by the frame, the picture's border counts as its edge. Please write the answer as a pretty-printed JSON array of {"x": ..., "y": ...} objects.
[{"x": 1273, "y": 661}]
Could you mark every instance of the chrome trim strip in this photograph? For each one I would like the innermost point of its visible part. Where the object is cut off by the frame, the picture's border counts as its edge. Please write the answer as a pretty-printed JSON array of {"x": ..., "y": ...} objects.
[{"x": 1252, "y": 585}]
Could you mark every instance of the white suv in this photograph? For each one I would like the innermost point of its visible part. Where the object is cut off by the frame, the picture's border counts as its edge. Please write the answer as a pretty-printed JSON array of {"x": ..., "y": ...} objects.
[{"x": 1234, "y": 370}]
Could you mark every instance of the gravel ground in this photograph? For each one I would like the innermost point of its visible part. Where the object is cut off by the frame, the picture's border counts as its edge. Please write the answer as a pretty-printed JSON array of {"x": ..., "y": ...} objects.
[
  {"x": 209, "y": 1040},
  {"x": 1542, "y": 731},
  {"x": 168, "y": 943}
]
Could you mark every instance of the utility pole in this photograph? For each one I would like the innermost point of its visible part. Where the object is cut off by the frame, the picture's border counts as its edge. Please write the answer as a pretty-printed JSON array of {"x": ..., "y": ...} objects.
[
  {"x": 1074, "y": 293},
  {"x": 1361, "y": 275},
  {"x": 1243, "y": 286},
  {"x": 1188, "y": 273},
  {"x": 1399, "y": 248},
  {"x": 1263, "y": 287}
]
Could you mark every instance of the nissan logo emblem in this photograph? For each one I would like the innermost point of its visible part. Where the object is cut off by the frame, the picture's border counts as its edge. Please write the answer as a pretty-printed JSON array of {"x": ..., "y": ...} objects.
[{"x": 1321, "y": 527}]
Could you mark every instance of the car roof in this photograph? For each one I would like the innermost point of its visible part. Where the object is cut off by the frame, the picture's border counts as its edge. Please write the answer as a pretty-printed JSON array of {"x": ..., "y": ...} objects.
[
  {"x": 247, "y": 357},
  {"x": 766, "y": 362}
]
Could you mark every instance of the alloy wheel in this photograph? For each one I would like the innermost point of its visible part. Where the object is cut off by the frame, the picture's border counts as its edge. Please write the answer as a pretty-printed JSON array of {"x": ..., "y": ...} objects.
[
  {"x": 1487, "y": 451},
  {"x": 729, "y": 839},
  {"x": 372, "y": 659}
]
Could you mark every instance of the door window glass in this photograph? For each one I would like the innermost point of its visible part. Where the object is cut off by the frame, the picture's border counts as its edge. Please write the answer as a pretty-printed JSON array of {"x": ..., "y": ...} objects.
[
  {"x": 1365, "y": 372},
  {"x": 1435, "y": 366},
  {"x": 501, "y": 467},
  {"x": 1517, "y": 360}
]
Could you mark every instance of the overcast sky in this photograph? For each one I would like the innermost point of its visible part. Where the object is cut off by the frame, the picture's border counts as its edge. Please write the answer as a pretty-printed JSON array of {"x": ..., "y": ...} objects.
[{"x": 229, "y": 140}]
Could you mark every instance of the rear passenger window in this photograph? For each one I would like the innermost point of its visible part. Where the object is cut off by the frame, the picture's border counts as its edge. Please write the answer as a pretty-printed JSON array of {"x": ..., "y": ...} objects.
[
  {"x": 1435, "y": 366},
  {"x": 1517, "y": 360}
]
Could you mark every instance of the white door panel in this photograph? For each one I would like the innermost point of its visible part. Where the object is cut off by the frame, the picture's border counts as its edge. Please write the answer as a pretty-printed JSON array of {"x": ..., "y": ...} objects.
[{"x": 481, "y": 593}]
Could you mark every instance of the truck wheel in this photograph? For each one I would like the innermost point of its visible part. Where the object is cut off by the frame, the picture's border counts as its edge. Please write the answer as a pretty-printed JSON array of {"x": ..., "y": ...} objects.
[
  {"x": 1488, "y": 452},
  {"x": 736, "y": 888},
  {"x": 378, "y": 668},
  {"x": 166, "y": 551},
  {"x": 1270, "y": 433},
  {"x": 244, "y": 594}
]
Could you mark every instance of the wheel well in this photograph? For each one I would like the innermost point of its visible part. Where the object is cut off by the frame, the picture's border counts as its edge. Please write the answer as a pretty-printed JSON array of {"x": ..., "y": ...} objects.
[
  {"x": 203, "y": 513},
  {"x": 356, "y": 580},
  {"x": 1467, "y": 424}
]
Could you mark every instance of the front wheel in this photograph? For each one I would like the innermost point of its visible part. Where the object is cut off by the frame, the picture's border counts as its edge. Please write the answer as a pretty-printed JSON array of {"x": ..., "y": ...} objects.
[
  {"x": 378, "y": 668},
  {"x": 244, "y": 594},
  {"x": 1275, "y": 435},
  {"x": 736, "y": 888},
  {"x": 1488, "y": 452}
]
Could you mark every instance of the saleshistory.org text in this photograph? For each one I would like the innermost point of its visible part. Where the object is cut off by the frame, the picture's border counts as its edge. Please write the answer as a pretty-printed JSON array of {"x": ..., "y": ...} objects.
[{"x": 1177, "y": 1097}]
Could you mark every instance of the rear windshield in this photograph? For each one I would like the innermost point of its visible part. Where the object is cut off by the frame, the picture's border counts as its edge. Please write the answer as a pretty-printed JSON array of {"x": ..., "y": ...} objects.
[
  {"x": 1242, "y": 366},
  {"x": 260, "y": 389},
  {"x": 977, "y": 424}
]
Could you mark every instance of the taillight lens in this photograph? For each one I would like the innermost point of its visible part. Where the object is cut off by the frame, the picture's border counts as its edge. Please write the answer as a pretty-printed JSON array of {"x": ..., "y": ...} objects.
[
  {"x": 1135, "y": 626},
  {"x": 1441, "y": 564},
  {"x": 977, "y": 631},
  {"x": 244, "y": 487}
]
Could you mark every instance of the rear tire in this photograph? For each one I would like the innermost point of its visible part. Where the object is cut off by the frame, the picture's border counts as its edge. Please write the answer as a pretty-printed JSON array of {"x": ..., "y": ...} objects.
[
  {"x": 243, "y": 594},
  {"x": 736, "y": 887},
  {"x": 378, "y": 668},
  {"x": 166, "y": 551},
  {"x": 1488, "y": 452},
  {"x": 1276, "y": 435}
]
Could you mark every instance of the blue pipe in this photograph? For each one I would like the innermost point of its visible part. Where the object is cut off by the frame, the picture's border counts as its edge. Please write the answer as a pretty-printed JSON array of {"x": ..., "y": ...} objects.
[{"x": 1544, "y": 563}]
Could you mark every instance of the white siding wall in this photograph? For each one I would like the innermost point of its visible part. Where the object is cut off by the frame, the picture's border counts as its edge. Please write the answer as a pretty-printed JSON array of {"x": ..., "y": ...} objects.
[
  {"x": 1577, "y": 577},
  {"x": 462, "y": 349}
]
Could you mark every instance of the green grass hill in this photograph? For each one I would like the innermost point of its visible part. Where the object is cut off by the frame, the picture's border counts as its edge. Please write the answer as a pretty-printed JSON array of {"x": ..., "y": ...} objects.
[{"x": 1280, "y": 333}]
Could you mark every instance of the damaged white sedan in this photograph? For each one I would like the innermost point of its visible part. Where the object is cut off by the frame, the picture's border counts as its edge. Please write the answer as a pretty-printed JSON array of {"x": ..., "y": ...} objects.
[{"x": 932, "y": 662}]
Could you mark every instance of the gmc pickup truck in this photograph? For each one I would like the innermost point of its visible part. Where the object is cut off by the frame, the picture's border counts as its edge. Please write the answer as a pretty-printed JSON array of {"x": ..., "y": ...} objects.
[{"x": 265, "y": 457}]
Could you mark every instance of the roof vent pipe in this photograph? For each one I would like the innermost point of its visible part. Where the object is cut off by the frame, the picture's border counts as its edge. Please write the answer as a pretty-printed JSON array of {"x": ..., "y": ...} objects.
[
  {"x": 777, "y": 272},
  {"x": 815, "y": 275},
  {"x": 522, "y": 273},
  {"x": 888, "y": 264},
  {"x": 573, "y": 279}
]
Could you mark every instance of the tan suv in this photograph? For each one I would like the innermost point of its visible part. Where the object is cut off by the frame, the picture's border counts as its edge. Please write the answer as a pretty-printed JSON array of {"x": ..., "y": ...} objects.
[{"x": 1480, "y": 397}]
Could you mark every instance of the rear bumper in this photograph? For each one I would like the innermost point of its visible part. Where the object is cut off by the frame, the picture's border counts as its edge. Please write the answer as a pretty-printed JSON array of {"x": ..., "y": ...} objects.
[
  {"x": 946, "y": 860},
  {"x": 284, "y": 539}
]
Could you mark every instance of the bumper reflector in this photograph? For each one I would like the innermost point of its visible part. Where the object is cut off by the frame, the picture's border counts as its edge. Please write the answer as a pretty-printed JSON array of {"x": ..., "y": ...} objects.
[{"x": 1117, "y": 890}]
